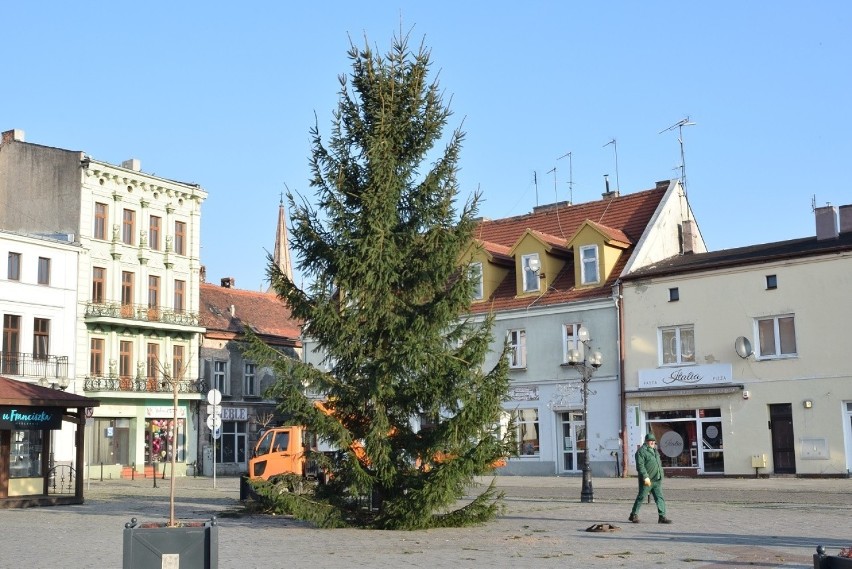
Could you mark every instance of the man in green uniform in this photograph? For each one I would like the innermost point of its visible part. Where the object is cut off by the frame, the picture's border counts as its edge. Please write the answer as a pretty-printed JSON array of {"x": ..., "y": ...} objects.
[{"x": 650, "y": 470}]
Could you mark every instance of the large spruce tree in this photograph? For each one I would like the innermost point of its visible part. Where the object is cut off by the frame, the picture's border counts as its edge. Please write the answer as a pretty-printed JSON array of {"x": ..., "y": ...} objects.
[{"x": 385, "y": 252}]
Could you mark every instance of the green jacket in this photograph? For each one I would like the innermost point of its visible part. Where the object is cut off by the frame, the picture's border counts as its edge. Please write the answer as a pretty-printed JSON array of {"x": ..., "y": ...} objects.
[{"x": 648, "y": 463}]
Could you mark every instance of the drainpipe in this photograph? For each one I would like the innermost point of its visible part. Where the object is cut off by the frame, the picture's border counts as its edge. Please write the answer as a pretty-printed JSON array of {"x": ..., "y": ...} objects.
[{"x": 618, "y": 298}]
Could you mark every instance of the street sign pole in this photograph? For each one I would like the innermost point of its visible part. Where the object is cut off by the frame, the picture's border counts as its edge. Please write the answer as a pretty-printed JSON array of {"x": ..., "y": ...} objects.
[{"x": 214, "y": 422}]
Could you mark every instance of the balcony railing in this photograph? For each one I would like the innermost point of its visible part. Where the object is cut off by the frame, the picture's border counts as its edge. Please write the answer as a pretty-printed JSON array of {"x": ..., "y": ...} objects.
[
  {"x": 29, "y": 365},
  {"x": 141, "y": 312},
  {"x": 141, "y": 384}
]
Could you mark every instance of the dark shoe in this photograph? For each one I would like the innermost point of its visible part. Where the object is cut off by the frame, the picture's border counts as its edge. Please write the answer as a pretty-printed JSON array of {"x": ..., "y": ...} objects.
[
  {"x": 664, "y": 520},
  {"x": 633, "y": 518}
]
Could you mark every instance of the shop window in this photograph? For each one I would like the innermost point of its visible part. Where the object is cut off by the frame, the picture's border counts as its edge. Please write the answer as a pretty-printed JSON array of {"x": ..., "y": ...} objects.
[
  {"x": 110, "y": 442},
  {"x": 526, "y": 425},
  {"x": 26, "y": 454},
  {"x": 777, "y": 337},
  {"x": 161, "y": 440},
  {"x": 689, "y": 438},
  {"x": 677, "y": 345},
  {"x": 231, "y": 446}
]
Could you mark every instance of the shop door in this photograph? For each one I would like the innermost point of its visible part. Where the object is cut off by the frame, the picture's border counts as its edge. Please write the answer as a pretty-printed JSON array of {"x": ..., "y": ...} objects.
[
  {"x": 712, "y": 453},
  {"x": 573, "y": 441},
  {"x": 783, "y": 445}
]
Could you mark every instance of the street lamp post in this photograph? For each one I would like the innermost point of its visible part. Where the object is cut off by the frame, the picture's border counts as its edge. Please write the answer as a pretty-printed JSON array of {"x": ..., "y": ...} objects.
[{"x": 586, "y": 362}]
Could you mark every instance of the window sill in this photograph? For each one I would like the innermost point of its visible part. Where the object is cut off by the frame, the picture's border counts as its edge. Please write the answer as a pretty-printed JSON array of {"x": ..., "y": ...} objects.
[{"x": 518, "y": 368}]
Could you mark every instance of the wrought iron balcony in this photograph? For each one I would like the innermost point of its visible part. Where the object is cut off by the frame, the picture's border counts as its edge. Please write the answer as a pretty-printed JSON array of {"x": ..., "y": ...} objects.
[
  {"x": 141, "y": 313},
  {"x": 141, "y": 384},
  {"x": 29, "y": 365}
]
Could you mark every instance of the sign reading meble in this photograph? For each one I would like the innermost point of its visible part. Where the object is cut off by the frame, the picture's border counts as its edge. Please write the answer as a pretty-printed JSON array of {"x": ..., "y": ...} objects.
[
  {"x": 685, "y": 376},
  {"x": 30, "y": 417}
]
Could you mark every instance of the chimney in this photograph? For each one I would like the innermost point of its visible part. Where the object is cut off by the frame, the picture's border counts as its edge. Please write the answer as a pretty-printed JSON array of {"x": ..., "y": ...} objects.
[
  {"x": 826, "y": 222},
  {"x": 232, "y": 309},
  {"x": 132, "y": 164},
  {"x": 228, "y": 282},
  {"x": 688, "y": 236},
  {"x": 10, "y": 135},
  {"x": 846, "y": 219},
  {"x": 608, "y": 194}
]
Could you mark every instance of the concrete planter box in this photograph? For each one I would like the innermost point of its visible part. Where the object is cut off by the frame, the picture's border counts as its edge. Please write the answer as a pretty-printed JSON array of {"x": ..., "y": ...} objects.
[{"x": 193, "y": 545}]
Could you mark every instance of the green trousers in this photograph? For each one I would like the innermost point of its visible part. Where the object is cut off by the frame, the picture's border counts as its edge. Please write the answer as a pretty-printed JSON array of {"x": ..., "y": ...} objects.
[{"x": 656, "y": 490}]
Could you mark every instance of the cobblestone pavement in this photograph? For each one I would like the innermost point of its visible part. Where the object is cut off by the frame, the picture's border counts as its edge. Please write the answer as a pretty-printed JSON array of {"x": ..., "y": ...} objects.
[{"x": 718, "y": 524}]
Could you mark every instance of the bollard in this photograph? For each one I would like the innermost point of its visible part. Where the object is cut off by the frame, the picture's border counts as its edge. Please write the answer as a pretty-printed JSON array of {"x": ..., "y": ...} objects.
[
  {"x": 133, "y": 472},
  {"x": 102, "y": 472},
  {"x": 155, "y": 473}
]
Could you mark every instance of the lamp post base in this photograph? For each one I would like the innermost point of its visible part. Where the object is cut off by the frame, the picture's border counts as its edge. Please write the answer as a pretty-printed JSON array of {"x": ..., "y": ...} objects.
[{"x": 587, "y": 494}]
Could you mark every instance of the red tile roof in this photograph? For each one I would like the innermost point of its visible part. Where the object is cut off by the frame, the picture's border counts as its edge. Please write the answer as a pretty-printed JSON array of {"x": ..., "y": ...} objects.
[
  {"x": 14, "y": 392},
  {"x": 262, "y": 311},
  {"x": 622, "y": 219}
]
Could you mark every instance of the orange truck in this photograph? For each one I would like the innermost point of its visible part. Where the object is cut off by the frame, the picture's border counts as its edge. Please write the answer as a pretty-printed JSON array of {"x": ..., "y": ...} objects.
[{"x": 282, "y": 450}]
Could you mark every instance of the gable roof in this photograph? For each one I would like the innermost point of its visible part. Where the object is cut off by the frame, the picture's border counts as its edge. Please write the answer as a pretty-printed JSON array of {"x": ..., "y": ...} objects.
[
  {"x": 622, "y": 219},
  {"x": 13, "y": 392},
  {"x": 748, "y": 255},
  {"x": 264, "y": 312}
]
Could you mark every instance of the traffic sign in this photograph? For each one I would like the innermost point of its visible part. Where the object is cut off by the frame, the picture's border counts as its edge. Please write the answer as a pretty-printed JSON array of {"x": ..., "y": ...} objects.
[
  {"x": 214, "y": 396},
  {"x": 214, "y": 422},
  {"x": 217, "y": 433}
]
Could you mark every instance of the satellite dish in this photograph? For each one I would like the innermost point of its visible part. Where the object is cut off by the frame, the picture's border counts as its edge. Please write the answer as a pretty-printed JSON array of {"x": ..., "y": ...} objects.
[{"x": 743, "y": 347}]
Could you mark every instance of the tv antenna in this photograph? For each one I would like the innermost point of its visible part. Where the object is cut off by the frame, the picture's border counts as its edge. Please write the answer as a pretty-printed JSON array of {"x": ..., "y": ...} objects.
[
  {"x": 554, "y": 181},
  {"x": 570, "y": 176},
  {"x": 679, "y": 126},
  {"x": 615, "y": 150}
]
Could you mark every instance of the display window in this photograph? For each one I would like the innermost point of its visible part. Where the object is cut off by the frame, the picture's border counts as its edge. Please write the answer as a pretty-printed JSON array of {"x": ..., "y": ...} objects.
[
  {"x": 162, "y": 439},
  {"x": 689, "y": 438},
  {"x": 27, "y": 448}
]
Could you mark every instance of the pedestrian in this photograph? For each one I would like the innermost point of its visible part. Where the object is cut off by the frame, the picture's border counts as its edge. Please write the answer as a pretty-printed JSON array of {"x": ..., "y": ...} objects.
[{"x": 650, "y": 469}]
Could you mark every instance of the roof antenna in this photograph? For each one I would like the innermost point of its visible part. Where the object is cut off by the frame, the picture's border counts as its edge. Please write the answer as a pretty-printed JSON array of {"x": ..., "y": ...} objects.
[
  {"x": 554, "y": 182},
  {"x": 679, "y": 126},
  {"x": 570, "y": 177},
  {"x": 535, "y": 182},
  {"x": 615, "y": 149}
]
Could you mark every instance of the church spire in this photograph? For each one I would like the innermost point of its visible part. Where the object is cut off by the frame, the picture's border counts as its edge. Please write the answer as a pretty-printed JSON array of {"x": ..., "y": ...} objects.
[{"x": 281, "y": 254}]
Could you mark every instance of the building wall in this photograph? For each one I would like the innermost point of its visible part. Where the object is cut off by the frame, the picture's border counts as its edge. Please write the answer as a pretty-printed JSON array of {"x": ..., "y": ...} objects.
[
  {"x": 725, "y": 304},
  {"x": 56, "y": 302}
]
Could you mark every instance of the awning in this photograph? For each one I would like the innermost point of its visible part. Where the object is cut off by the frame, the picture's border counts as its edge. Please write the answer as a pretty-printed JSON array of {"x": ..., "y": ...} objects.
[{"x": 681, "y": 391}]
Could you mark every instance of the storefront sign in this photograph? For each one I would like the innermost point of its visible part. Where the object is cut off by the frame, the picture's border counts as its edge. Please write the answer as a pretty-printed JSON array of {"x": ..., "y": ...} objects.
[
  {"x": 164, "y": 412},
  {"x": 711, "y": 374},
  {"x": 234, "y": 413},
  {"x": 523, "y": 394},
  {"x": 23, "y": 418}
]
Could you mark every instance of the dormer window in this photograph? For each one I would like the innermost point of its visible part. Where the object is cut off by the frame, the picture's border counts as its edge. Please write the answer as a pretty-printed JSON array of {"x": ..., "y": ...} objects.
[
  {"x": 531, "y": 266},
  {"x": 475, "y": 274},
  {"x": 589, "y": 269}
]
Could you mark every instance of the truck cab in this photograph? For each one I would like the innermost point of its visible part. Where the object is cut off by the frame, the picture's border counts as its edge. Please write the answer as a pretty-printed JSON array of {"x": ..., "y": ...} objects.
[{"x": 280, "y": 450}]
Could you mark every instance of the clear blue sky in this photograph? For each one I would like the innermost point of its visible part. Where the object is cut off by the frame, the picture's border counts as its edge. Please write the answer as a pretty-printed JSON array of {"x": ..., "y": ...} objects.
[{"x": 224, "y": 95}]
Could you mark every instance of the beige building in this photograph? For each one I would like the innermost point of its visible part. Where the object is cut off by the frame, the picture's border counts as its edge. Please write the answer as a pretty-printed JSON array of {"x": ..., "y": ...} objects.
[{"x": 736, "y": 360}]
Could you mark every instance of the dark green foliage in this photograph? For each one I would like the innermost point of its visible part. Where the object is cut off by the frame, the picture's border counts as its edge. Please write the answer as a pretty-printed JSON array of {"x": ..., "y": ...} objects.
[{"x": 385, "y": 254}]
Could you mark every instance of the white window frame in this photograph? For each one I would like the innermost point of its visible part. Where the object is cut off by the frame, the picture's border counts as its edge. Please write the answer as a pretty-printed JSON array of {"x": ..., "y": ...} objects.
[
  {"x": 250, "y": 379},
  {"x": 476, "y": 276},
  {"x": 585, "y": 276},
  {"x": 569, "y": 339},
  {"x": 530, "y": 277},
  {"x": 681, "y": 348},
  {"x": 220, "y": 378},
  {"x": 517, "y": 348},
  {"x": 776, "y": 331}
]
